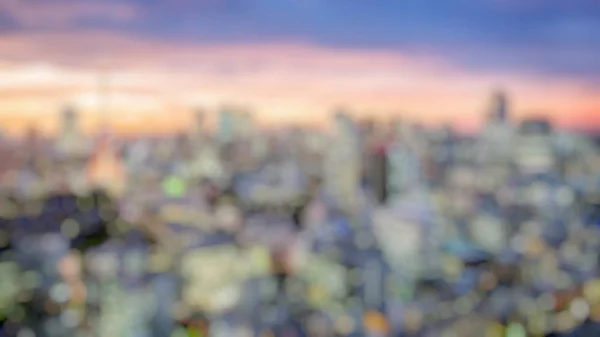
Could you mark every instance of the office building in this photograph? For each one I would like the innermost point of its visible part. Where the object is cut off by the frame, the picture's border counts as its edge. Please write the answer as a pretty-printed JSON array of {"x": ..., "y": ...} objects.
[
  {"x": 500, "y": 106},
  {"x": 533, "y": 150},
  {"x": 71, "y": 145},
  {"x": 343, "y": 161},
  {"x": 199, "y": 121},
  {"x": 496, "y": 142},
  {"x": 226, "y": 125}
]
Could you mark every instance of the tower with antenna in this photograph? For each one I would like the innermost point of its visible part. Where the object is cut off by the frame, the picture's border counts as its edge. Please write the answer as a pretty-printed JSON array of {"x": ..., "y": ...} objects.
[
  {"x": 105, "y": 169},
  {"x": 103, "y": 96}
]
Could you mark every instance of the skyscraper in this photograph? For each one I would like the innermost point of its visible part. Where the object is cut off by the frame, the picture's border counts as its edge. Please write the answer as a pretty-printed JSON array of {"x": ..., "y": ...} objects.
[
  {"x": 226, "y": 125},
  {"x": 496, "y": 140},
  {"x": 32, "y": 143},
  {"x": 69, "y": 120},
  {"x": 500, "y": 106},
  {"x": 343, "y": 161},
  {"x": 199, "y": 118},
  {"x": 345, "y": 126},
  {"x": 71, "y": 143}
]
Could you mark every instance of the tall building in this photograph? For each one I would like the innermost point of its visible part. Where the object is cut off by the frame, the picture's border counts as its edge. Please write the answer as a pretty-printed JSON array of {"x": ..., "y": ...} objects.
[
  {"x": 71, "y": 144},
  {"x": 404, "y": 166},
  {"x": 376, "y": 174},
  {"x": 496, "y": 141},
  {"x": 346, "y": 127},
  {"x": 32, "y": 144},
  {"x": 69, "y": 119},
  {"x": 199, "y": 119},
  {"x": 500, "y": 106},
  {"x": 244, "y": 139},
  {"x": 533, "y": 150},
  {"x": 343, "y": 162},
  {"x": 403, "y": 169},
  {"x": 226, "y": 128}
]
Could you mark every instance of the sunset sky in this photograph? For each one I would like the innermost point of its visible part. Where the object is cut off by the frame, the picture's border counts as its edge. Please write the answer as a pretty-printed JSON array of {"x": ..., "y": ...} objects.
[{"x": 293, "y": 61}]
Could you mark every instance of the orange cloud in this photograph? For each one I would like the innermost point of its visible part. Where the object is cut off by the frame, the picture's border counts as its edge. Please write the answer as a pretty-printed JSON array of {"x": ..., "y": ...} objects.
[{"x": 154, "y": 85}]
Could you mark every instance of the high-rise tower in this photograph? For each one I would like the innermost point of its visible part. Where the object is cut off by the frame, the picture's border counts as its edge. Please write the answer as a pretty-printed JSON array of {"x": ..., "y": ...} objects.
[
  {"x": 343, "y": 162},
  {"x": 69, "y": 120},
  {"x": 500, "y": 106},
  {"x": 71, "y": 143},
  {"x": 496, "y": 140},
  {"x": 199, "y": 119},
  {"x": 226, "y": 125}
]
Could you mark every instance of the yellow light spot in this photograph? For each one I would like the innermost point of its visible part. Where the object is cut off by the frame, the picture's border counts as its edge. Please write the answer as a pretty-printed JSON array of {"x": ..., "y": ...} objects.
[{"x": 495, "y": 330}]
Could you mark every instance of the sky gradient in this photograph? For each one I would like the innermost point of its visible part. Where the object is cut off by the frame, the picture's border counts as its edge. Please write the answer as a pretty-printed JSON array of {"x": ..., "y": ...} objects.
[{"x": 293, "y": 61}]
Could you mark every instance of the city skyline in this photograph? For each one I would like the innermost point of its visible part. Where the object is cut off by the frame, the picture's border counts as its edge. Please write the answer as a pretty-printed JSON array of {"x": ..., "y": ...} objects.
[{"x": 295, "y": 61}]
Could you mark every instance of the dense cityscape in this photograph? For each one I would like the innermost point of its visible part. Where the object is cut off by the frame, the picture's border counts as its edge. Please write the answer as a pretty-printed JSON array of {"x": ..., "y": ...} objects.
[{"x": 364, "y": 229}]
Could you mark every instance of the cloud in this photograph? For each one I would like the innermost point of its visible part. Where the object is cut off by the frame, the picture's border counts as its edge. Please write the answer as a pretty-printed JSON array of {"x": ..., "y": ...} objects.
[
  {"x": 64, "y": 13},
  {"x": 551, "y": 37},
  {"x": 162, "y": 81},
  {"x": 293, "y": 60},
  {"x": 529, "y": 36}
]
